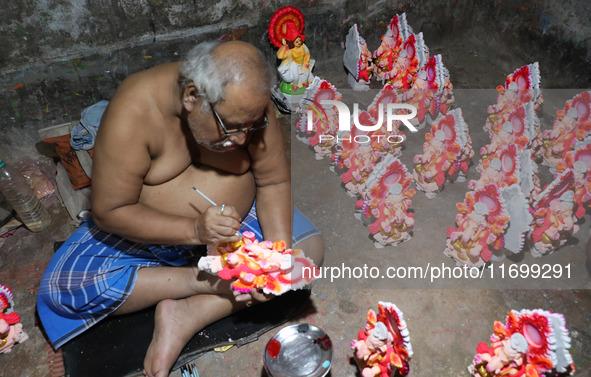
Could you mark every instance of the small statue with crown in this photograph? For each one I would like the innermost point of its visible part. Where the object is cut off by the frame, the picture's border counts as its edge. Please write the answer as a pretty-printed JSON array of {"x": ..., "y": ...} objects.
[{"x": 286, "y": 32}]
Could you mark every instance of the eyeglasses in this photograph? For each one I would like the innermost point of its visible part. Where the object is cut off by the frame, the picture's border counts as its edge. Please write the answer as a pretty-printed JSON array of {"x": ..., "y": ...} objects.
[{"x": 256, "y": 126}]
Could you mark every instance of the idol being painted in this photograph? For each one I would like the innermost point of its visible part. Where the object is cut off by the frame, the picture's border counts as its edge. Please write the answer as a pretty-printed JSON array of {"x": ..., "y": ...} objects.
[{"x": 266, "y": 265}]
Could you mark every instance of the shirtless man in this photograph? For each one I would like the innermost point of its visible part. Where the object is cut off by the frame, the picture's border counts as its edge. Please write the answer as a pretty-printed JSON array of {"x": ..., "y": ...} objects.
[{"x": 206, "y": 122}]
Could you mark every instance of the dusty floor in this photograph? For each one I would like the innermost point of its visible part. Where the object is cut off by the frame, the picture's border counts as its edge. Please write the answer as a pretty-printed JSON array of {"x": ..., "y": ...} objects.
[{"x": 446, "y": 318}]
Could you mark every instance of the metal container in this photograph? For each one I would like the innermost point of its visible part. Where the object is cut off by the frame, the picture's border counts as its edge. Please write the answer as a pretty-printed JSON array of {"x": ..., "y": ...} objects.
[{"x": 299, "y": 351}]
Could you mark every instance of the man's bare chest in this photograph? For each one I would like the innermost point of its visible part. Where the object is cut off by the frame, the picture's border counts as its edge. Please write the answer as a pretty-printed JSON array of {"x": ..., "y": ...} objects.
[{"x": 177, "y": 154}]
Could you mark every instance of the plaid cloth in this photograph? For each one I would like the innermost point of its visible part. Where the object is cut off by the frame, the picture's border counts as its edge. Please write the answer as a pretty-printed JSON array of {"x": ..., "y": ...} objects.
[{"x": 94, "y": 272}]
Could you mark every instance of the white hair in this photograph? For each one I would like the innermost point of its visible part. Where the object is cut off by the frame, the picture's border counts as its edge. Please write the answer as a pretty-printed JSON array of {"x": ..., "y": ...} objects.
[{"x": 211, "y": 75}]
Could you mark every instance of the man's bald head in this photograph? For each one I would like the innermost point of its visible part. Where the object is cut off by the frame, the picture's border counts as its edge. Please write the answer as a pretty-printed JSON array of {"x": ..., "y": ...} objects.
[{"x": 212, "y": 66}]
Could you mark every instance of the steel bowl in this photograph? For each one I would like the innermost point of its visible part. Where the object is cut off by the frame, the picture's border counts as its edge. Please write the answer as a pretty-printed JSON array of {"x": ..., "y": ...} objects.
[{"x": 300, "y": 350}]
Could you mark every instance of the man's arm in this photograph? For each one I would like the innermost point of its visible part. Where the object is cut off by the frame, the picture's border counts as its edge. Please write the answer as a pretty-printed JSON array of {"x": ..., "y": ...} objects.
[
  {"x": 273, "y": 181},
  {"x": 121, "y": 162}
]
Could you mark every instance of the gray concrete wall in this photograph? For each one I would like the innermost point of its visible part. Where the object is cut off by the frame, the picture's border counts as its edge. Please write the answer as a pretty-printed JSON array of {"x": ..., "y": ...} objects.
[
  {"x": 59, "y": 56},
  {"x": 49, "y": 30},
  {"x": 65, "y": 29},
  {"x": 39, "y": 31}
]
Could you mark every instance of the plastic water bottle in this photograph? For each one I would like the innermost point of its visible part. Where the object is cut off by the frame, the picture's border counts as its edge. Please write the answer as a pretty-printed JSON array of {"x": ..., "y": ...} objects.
[{"x": 23, "y": 200}]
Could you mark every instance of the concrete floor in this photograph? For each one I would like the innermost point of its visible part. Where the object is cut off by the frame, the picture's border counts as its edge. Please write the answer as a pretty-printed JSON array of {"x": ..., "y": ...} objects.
[{"x": 446, "y": 318}]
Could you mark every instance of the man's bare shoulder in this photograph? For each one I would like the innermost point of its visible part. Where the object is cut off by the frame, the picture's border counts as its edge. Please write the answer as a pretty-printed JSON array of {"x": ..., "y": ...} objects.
[
  {"x": 153, "y": 82},
  {"x": 142, "y": 107},
  {"x": 145, "y": 95}
]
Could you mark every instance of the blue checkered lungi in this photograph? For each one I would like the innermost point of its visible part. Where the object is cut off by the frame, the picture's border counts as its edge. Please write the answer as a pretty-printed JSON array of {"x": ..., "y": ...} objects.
[{"x": 94, "y": 272}]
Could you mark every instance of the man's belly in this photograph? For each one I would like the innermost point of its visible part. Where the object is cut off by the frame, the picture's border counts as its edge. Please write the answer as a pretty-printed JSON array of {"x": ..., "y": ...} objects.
[{"x": 177, "y": 196}]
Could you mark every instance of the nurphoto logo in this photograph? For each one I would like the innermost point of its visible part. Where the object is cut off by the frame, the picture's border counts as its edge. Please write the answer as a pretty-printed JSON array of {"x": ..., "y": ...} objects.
[
  {"x": 393, "y": 113},
  {"x": 345, "y": 116}
]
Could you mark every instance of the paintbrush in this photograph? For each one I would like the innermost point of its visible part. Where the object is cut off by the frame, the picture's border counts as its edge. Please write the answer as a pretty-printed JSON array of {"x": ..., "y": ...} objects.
[
  {"x": 209, "y": 200},
  {"x": 205, "y": 196}
]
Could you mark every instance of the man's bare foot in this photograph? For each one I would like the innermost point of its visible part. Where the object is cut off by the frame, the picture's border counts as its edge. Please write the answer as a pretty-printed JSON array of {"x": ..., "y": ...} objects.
[{"x": 174, "y": 325}]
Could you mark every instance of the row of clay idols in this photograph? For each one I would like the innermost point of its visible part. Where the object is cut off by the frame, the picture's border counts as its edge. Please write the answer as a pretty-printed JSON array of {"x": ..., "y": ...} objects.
[
  {"x": 532, "y": 343},
  {"x": 365, "y": 160},
  {"x": 507, "y": 207}
]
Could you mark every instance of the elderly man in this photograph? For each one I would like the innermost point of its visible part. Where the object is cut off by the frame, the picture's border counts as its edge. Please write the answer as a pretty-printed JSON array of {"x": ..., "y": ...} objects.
[{"x": 206, "y": 123}]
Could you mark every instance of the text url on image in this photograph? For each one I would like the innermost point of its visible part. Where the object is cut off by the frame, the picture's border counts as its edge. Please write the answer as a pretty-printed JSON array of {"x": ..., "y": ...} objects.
[{"x": 432, "y": 273}]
